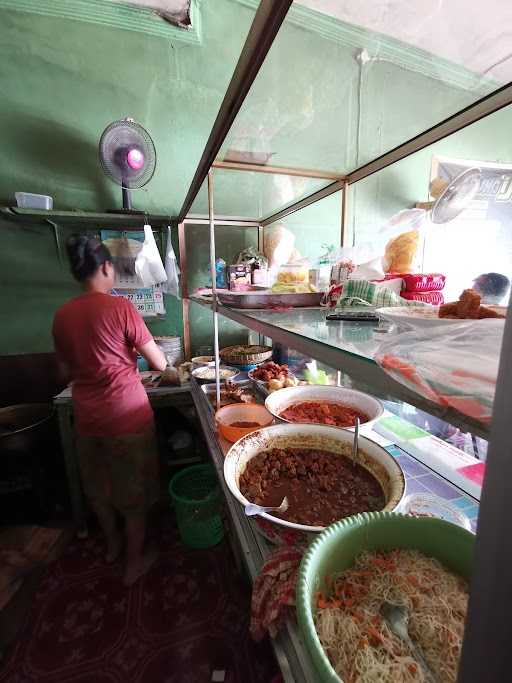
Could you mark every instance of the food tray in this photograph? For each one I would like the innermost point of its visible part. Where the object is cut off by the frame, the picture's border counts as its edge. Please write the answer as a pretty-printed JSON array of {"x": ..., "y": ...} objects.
[
  {"x": 210, "y": 389},
  {"x": 231, "y": 357},
  {"x": 266, "y": 299}
]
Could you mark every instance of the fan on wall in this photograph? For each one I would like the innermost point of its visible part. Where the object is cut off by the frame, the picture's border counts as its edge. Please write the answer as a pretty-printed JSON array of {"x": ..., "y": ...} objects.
[
  {"x": 127, "y": 156},
  {"x": 452, "y": 198}
]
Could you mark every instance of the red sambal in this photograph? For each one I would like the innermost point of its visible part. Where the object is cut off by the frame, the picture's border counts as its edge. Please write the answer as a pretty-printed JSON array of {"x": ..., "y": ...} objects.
[{"x": 324, "y": 413}]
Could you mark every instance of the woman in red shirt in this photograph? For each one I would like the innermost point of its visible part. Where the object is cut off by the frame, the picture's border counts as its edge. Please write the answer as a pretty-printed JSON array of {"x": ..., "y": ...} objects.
[{"x": 97, "y": 337}]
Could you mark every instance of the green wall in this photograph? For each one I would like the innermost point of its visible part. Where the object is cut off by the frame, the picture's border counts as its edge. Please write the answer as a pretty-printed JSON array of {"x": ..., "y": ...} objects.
[
  {"x": 229, "y": 243},
  {"x": 35, "y": 282},
  {"x": 375, "y": 199},
  {"x": 62, "y": 81}
]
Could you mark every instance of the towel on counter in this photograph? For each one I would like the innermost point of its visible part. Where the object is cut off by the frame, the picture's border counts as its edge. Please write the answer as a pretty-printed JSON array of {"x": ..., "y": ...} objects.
[
  {"x": 273, "y": 594},
  {"x": 364, "y": 293}
]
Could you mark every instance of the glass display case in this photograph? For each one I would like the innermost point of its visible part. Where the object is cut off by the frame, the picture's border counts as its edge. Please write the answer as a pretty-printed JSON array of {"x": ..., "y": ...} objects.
[{"x": 346, "y": 124}]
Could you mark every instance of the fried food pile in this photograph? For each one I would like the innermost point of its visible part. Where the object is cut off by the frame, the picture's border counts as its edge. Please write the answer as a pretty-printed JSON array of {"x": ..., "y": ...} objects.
[{"x": 468, "y": 306}]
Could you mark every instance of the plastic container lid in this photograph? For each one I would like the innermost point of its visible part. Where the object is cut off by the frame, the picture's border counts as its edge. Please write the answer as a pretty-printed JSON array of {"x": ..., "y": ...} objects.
[{"x": 428, "y": 505}]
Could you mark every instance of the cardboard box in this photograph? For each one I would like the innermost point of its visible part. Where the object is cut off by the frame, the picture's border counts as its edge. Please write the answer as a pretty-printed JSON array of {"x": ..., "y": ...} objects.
[{"x": 240, "y": 277}]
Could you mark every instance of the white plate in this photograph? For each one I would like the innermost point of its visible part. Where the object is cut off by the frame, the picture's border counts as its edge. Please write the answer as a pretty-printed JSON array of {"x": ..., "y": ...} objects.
[
  {"x": 425, "y": 316},
  {"x": 284, "y": 398}
]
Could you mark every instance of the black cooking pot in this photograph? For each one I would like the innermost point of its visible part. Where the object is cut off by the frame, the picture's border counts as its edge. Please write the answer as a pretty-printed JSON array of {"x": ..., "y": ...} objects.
[{"x": 25, "y": 427}]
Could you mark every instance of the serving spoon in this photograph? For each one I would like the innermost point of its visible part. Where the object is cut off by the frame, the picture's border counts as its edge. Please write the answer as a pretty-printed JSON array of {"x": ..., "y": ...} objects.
[
  {"x": 253, "y": 509},
  {"x": 397, "y": 619},
  {"x": 355, "y": 443}
]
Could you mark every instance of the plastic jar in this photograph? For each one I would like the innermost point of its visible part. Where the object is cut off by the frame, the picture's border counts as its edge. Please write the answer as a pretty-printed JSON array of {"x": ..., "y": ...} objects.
[{"x": 293, "y": 273}]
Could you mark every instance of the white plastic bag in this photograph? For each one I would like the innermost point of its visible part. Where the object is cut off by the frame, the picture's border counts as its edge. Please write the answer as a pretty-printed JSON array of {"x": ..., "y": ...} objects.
[
  {"x": 172, "y": 286},
  {"x": 454, "y": 365},
  {"x": 148, "y": 264}
]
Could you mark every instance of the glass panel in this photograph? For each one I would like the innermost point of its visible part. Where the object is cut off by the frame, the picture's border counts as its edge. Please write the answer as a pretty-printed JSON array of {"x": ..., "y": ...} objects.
[
  {"x": 477, "y": 241},
  {"x": 356, "y": 338},
  {"x": 317, "y": 228},
  {"x": 251, "y": 195},
  {"x": 364, "y": 77},
  {"x": 229, "y": 242}
]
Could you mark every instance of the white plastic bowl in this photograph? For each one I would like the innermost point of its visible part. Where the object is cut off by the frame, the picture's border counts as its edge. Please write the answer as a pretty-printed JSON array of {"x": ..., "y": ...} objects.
[
  {"x": 371, "y": 456},
  {"x": 283, "y": 398}
]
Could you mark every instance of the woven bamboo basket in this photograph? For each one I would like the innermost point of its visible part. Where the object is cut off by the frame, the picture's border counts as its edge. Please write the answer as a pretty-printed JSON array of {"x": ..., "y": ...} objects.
[{"x": 254, "y": 354}]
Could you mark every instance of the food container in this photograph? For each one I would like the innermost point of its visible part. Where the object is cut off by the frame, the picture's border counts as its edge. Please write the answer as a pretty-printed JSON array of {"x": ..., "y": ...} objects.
[
  {"x": 201, "y": 361},
  {"x": 210, "y": 391},
  {"x": 241, "y": 412},
  {"x": 240, "y": 277},
  {"x": 283, "y": 398},
  {"x": 27, "y": 200},
  {"x": 267, "y": 299},
  {"x": 260, "y": 277},
  {"x": 428, "y": 505},
  {"x": 338, "y": 546},
  {"x": 245, "y": 355},
  {"x": 207, "y": 373},
  {"x": 293, "y": 273},
  {"x": 371, "y": 456},
  {"x": 172, "y": 349}
]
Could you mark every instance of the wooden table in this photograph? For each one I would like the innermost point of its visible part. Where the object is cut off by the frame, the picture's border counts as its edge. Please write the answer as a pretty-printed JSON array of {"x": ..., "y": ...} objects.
[{"x": 159, "y": 397}]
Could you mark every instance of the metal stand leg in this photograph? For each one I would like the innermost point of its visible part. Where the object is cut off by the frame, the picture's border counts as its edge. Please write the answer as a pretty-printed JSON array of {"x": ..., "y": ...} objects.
[{"x": 64, "y": 414}]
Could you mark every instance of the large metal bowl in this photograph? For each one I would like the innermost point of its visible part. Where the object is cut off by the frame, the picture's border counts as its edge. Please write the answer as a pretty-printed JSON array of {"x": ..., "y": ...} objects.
[
  {"x": 283, "y": 398},
  {"x": 371, "y": 456}
]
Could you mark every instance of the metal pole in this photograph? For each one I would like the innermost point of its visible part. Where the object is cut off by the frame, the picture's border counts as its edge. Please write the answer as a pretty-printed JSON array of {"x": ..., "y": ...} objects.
[
  {"x": 214, "y": 287},
  {"x": 486, "y": 648}
]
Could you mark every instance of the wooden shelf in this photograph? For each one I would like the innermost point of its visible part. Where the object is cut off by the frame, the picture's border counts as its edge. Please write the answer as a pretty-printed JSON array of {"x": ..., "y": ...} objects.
[{"x": 117, "y": 220}]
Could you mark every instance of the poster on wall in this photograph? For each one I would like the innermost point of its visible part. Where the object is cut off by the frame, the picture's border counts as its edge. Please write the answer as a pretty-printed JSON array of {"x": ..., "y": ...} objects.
[
  {"x": 479, "y": 239},
  {"x": 124, "y": 247}
]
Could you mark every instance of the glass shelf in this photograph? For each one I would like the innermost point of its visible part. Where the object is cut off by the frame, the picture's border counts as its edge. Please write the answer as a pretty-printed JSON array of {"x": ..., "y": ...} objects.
[{"x": 346, "y": 346}]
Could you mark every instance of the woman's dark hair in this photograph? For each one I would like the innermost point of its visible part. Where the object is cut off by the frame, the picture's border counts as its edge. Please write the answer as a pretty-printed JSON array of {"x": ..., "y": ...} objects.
[
  {"x": 492, "y": 284},
  {"x": 86, "y": 255}
]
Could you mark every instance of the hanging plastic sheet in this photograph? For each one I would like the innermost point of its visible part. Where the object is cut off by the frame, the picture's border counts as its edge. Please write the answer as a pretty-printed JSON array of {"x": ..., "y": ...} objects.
[
  {"x": 172, "y": 286},
  {"x": 455, "y": 365},
  {"x": 148, "y": 264}
]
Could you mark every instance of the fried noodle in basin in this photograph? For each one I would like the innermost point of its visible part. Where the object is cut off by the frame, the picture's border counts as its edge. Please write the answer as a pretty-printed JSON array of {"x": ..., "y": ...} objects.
[{"x": 358, "y": 642}]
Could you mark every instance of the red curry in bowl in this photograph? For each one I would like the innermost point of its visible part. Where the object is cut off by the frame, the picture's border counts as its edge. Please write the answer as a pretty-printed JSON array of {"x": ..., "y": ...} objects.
[
  {"x": 323, "y": 412},
  {"x": 321, "y": 487}
]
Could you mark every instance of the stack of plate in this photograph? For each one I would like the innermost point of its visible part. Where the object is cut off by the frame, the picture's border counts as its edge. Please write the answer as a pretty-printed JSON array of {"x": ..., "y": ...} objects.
[{"x": 172, "y": 348}]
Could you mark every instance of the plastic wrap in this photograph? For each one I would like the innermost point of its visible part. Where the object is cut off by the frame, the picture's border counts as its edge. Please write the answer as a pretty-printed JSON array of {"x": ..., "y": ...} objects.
[
  {"x": 148, "y": 263},
  {"x": 454, "y": 365},
  {"x": 172, "y": 286}
]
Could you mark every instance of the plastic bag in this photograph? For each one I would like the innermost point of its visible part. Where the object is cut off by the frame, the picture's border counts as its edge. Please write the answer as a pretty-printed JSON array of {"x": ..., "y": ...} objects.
[
  {"x": 454, "y": 365},
  {"x": 172, "y": 286},
  {"x": 253, "y": 257},
  {"x": 148, "y": 264}
]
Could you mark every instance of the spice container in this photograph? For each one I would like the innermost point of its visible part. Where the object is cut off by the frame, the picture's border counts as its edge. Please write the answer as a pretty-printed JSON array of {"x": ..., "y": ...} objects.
[
  {"x": 240, "y": 277},
  {"x": 260, "y": 277},
  {"x": 293, "y": 273}
]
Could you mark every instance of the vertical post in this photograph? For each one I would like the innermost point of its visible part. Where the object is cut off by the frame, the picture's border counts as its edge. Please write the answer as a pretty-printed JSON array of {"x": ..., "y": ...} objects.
[
  {"x": 486, "y": 647},
  {"x": 344, "y": 214},
  {"x": 214, "y": 287},
  {"x": 182, "y": 245},
  {"x": 261, "y": 239}
]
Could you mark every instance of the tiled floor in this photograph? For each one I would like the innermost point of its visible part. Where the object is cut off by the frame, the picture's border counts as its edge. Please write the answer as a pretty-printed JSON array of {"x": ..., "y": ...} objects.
[{"x": 420, "y": 479}]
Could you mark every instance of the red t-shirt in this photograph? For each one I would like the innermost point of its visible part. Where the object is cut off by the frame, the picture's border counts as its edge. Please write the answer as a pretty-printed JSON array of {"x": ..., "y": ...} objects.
[{"x": 96, "y": 335}]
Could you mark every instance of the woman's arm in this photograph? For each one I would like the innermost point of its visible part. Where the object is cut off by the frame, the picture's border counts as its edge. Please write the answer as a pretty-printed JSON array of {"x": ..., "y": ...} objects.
[{"x": 154, "y": 355}]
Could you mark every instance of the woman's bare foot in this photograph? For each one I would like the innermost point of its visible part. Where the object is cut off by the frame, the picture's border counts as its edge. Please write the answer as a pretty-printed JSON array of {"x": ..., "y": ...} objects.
[
  {"x": 135, "y": 570},
  {"x": 114, "y": 548}
]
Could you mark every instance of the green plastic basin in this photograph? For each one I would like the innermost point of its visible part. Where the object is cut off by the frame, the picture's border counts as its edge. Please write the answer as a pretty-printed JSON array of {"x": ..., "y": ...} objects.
[{"x": 337, "y": 547}]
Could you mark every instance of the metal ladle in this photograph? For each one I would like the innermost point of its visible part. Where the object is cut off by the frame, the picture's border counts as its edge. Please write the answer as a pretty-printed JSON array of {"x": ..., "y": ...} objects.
[
  {"x": 253, "y": 509},
  {"x": 355, "y": 443},
  {"x": 397, "y": 618}
]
